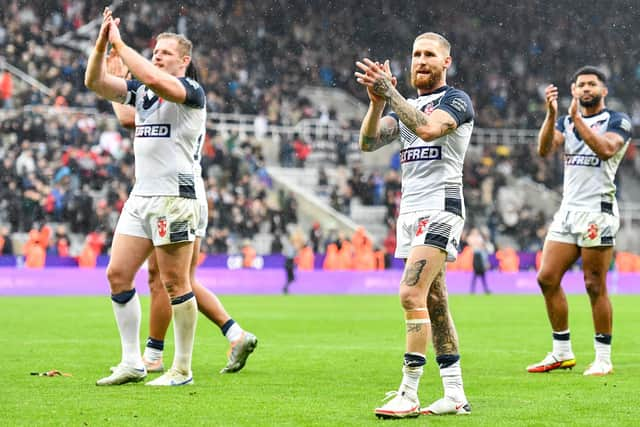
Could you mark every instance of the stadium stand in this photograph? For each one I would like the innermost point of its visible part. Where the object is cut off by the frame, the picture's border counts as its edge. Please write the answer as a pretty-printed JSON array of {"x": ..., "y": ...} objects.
[{"x": 67, "y": 165}]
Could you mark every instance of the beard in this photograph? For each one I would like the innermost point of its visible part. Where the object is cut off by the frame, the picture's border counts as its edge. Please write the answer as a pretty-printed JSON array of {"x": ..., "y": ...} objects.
[
  {"x": 594, "y": 101},
  {"x": 426, "y": 83}
]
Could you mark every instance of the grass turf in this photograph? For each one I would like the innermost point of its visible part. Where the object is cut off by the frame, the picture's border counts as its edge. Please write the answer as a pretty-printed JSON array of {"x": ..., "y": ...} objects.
[{"x": 321, "y": 360}]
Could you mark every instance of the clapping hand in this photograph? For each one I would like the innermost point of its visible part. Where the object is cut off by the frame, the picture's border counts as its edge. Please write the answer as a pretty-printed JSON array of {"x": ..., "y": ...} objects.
[{"x": 377, "y": 78}]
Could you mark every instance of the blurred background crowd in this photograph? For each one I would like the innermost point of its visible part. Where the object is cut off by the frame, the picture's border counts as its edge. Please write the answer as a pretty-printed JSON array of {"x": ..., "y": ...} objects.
[{"x": 67, "y": 166}]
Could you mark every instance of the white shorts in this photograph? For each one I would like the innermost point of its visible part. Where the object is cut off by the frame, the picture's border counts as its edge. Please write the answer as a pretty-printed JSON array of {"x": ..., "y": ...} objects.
[
  {"x": 201, "y": 230},
  {"x": 435, "y": 228},
  {"x": 161, "y": 219},
  {"x": 584, "y": 229}
]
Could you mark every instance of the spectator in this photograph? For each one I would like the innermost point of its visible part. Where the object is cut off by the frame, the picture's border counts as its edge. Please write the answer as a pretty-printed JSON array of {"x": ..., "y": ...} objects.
[
  {"x": 480, "y": 260},
  {"x": 34, "y": 253},
  {"x": 248, "y": 254},
  {"x": 6, "y": 90},
  {"x": 301, "y": 149},
  {"x": 6, "y": 245}
]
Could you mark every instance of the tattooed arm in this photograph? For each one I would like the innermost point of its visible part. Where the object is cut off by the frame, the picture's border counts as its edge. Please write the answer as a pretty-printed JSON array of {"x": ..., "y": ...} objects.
[
  {"x": 428, "y": 128},
  {"x": 375, "y": 131}
]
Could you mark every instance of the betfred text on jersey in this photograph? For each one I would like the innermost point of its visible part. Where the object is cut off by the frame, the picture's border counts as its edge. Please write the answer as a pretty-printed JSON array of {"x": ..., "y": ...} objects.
[
  {"x": 582, "y": 160},
  {"x": 153, "y": 131},
  {"x": 420, "y": 153}
]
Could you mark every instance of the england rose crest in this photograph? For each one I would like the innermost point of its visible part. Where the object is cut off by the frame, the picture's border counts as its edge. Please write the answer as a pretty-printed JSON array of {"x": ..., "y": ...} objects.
[
  {"x": 162, "y": 226},
  {"x": 422, "y": 225}
]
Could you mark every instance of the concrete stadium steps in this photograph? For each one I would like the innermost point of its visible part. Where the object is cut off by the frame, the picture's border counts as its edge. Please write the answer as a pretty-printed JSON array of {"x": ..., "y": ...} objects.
[
  {"x": 303, "y": 184},
  {"x": 262, "y": 243},
  {"x": 371, "y": 218}
]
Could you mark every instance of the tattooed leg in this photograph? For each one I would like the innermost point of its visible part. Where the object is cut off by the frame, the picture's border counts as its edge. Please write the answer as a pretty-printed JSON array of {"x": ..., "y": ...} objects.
[
  {"x": 412, "y": 273},
  {"x": 418, "y": 275},
  {"x": 445, "y": 344},
  {"x": 445, "y": 337}
]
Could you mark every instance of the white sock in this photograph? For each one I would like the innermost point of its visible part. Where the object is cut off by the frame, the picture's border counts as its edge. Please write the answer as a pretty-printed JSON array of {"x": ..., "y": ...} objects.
[
  {"x": 234, "y": 333},
  {"x": 128, "y": 317},
  {"x": 185, "y": 316},
  {"x": 411, "y": 380},
  {"x": 452, "y": 382},
  {"x": 152, "y": 354},
  {"x": 562, "y": 347},
  {"x": 603, "y": 351}
]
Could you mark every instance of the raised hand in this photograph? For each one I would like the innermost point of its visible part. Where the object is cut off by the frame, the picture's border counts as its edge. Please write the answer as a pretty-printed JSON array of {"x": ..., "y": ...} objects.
[
  {"x": 575, "y": 102},
  {"x": 103, "y": 34},
  {"x": 114, "y": 32},
  {"x": 377, "y": 78},
  {"x": 115, "y": 65},
  {"x": 551, "y": 98}
]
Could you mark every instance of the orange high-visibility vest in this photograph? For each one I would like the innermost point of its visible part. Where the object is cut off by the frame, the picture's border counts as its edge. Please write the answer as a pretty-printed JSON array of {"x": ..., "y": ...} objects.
[
  {"x": 508, "y": 260},
  {"x": 305, "y": 259},
  {"x": 248, "y": 255},
  {"x": 35, "y": 256},
  {"x": 330, "y": 262},
  {"x": 88, "y": 257}
]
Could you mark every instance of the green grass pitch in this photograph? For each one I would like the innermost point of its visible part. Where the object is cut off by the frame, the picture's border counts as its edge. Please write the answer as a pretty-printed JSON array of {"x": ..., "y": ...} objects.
[{"x": 321, "y": 361}]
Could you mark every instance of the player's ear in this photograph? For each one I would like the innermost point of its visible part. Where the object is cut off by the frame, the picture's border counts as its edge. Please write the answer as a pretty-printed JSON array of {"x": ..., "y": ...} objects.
[
  {"x": 447, "y": 62},
  {"x": 573, "y": 89},
  {"x": 605, "y": 91},
  {"x": 186, "y": 60}
]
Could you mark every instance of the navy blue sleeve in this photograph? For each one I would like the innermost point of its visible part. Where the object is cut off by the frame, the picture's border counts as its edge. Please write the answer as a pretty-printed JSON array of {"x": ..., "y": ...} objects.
[
  {"x": 620, "y": 123},
  {"x": 195, "y": 94},
  {"x": 560, "y": 123},
  {"x": 132, "y": 90},
  {"x": 458, "y": 104}
]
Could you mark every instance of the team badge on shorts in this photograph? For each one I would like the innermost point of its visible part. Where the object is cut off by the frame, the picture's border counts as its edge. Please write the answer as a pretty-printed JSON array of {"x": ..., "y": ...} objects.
[
  {"x": 422, "y": 225},
  {"x": 162, "y": 226},
  {"x": 592, "y": 231}
]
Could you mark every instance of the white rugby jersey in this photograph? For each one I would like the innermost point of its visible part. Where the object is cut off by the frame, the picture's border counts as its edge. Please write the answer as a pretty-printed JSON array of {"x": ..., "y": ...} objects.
[
  {"x": 432, "y": 170},
  {"x": 168, "y": 141},
  {"x": 588, "y": 180}
]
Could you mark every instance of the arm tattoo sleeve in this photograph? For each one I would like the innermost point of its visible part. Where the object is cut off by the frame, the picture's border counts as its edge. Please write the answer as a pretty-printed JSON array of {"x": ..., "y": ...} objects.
[
  {"x": 443, "y": 330},
  {"x": 387, "y": 135},
  {"x": 411, "y": 275},
  {"x": 409, "y": 115}
]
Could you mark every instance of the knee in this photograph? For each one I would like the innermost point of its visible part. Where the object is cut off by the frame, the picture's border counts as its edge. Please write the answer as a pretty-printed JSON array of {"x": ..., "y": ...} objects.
[
  {"x": 116, "y": 275},
  {"x": 547, "y": 280},
  {"x": 155, "y": 283},
  {"x": 175, "y": 283},
  {"x": 410, "y": 299},
  {"x": 595, "y": 284},
  {"x": 170, "y": 283},
  {"x": 119, "y": 279}
]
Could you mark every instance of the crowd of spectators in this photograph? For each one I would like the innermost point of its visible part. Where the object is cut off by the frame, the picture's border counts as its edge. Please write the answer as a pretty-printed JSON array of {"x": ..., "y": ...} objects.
[
  {"x": 61, "y": 167},
  {"x": 253, "y": 58}
]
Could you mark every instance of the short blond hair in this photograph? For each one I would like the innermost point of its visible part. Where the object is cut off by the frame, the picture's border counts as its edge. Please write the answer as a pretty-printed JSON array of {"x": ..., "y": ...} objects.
[
  {"x": 184, "y": 44},
  {"x": 444, "y": 43}
]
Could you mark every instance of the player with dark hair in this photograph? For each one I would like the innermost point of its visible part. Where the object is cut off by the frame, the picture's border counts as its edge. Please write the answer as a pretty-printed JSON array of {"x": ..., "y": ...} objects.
[
  {"x": 434, "y": 131},
  {"x": 595, "y": 140}
]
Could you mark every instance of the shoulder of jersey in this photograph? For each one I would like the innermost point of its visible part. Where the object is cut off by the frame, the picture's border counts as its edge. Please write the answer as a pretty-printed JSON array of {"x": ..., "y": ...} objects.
[{"x": 192, "y": 82}]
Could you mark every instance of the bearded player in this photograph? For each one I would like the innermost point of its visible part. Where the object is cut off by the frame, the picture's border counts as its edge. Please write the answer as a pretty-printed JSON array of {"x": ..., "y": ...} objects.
[
  {"x": 434, "y": 131},
  {"x": 595, "y": 140}
]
